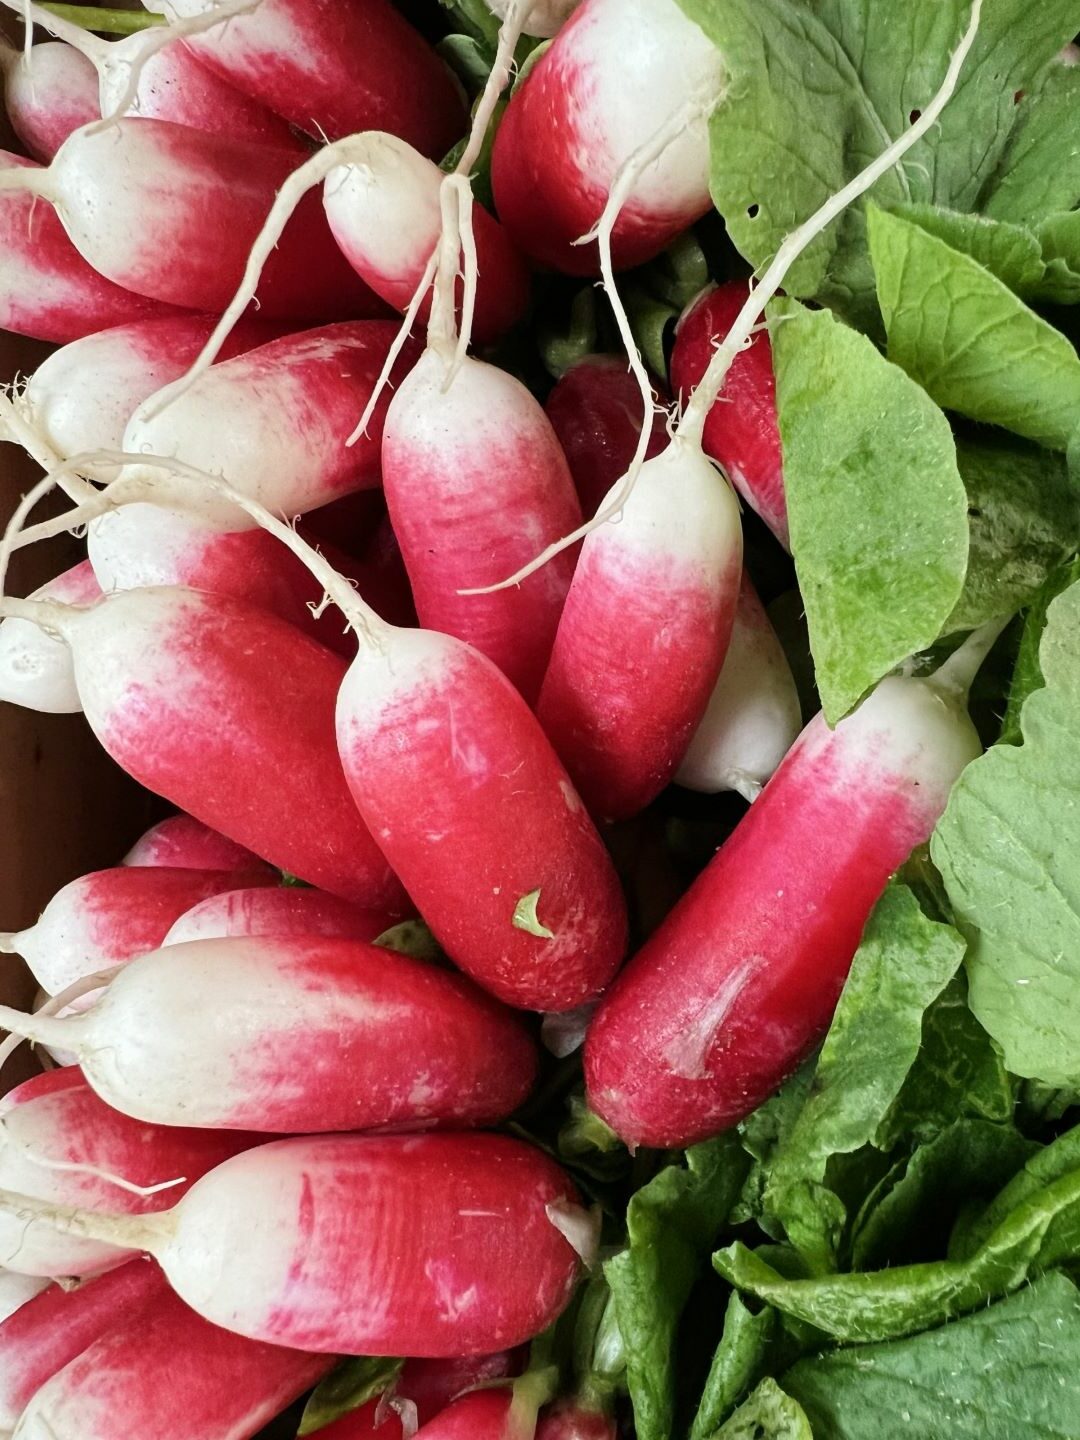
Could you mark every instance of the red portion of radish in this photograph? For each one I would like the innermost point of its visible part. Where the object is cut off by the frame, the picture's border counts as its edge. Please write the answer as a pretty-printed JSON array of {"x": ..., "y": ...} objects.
[
  {"x": 481, "y": 1415},
  {"x": 287, "y": 910},
  {"x": 48, "y": 94},
  {"x": 570, "y": 1421},
  {"x": 189, "y": 845},
  {"x": 426, "y": 1385}
]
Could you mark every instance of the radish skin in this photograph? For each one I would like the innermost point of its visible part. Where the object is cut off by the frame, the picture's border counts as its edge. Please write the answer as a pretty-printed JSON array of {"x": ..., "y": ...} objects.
[
  {"x": 572, "y": 1421},
  {"x": 48, "y": 92},
  {"x": 579, "y": 117},
  {"x": 60, "y": 1142},
  {"x": 383, "y": 210},
  {"x": 166, "y": 675},
  {"x": 740, "y": 982},
  {"x": 432, "y": 1245},
  {"x": 170, "y": 213},
  {"x": 35, "y": 669},
  {"x": 109, "y": 916},
  {"x": 282, "y": 911},
  {"x": 60, "y": 1324},
  {"x": 188, "y": 844},
  {"x": 753, "y": 716},
  {"x": 741, "y": 432},
  {"x": 47, "y": 290},
  {"x": 334, "y": 70},
  {"x": 644, "y": 633},
  {"x": 480, "y": 1415},
  {"x": 596, "y": 412},
  {"x": 165, "y": 1372}
]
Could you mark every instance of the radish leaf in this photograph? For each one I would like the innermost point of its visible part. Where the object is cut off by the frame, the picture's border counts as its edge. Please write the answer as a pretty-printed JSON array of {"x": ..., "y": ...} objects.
[
  {"x": 737, "y": 1364},
  {"x": 768, "y": 1411},
  {"x": 526, "y": 918}
]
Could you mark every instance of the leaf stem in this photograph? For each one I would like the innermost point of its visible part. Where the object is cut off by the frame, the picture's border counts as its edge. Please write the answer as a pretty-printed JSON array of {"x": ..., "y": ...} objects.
[{"x": 103, "y": 20}]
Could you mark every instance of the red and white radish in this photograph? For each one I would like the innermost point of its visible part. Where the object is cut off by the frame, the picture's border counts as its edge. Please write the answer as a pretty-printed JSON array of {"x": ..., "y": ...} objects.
[
  {"x": 580, "y": 116},
  {"x": 753, "y": 716},
  {"x": 59, "y": 1142},
  {"x": 294, "y": 1034},
  {"x": 741, "y": 980},
  {"x": 18, "y": 1290},
  {"x": 35, "y": 669},
  {"x": 333, "y": 69},
  {"x": 188, "y": 844},
  {"x": 383, "y": 209},
  {"x": 228, "y": 712},
  {"x": 422, "y": 1390},
  {"x": 61, "y": 1323},
  {"x": 286, "y": 910},
  {"x": 166, "y": 1373},
  {"x": 570, "y": 1420},
  {"x": 597, "y": 415},
  {"x": 741, "y": 431},
  {"x": 170, "y": 213},
  {"x": 432, "y": 1245},
  {"x": 49, "y": 91},
  {"x": 476, "y": 483},
  {"x": 47, "y": 290},
  {"x": 109, "y": 916},
  {"x": 480, "y": 1415}
]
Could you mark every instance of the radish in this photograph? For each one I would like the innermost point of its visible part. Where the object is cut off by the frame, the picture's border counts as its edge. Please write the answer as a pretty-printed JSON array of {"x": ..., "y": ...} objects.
[
  {"x": 49, "y": 91},
  {"x": 333, "y": 69},
  {"x": 47, "y": 290},
  {"x": 227, "y": 712},
  {"x": 754, "y": 714},
  {"x": 171, "y": 212},
  {"x": 188, "y": 844},
  {"x": 166, "y": 1373},
  {"x": 60, "y": 1324},
  {"x": 383, "y": 209},
  {"x": 59, "y": 1142},
  {"x": 475, "y": 481},
  {"x": 294, "y": 1033},
  {"x": 740, "y": 982},
  {"x": 570, "y": 1420},
  {"x": 18, "y": 1290},
  {"x": 109, "y": 916},
  {"x": 35, "y": 669},
  {"x": 480, "y": 1415},
  {"x": 283, "y": 911},
  {"x": 597, "y": 415},
  {"x": 152, "y": 75},
  {"x": 433, "y": 1245},
  {"x": 578, "y": 118},
  {"x": 741, "y": 431}
]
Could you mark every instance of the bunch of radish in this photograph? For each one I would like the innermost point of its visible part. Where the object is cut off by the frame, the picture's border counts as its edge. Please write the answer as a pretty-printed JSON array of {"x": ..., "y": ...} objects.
[{"x": 407, "y": 642}]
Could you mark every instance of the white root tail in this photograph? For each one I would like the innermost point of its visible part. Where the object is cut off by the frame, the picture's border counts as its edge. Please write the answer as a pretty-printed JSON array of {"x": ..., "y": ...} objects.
[
  {"x": 76, "y": 1167},
  {"x": 52, "y": 1007},
  {"x": 129, "y": 1232}
]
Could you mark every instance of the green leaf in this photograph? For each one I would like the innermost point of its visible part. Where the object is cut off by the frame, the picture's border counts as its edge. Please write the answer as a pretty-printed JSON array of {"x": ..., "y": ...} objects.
[
  {"x": 672, "y": 1224},
  {"x": 763, "y": 1133},
  {"x": 968, "y": 340},
  {"x": 1025, "y": 520},
  {"x": 736, "y": 1366},
  {"x": 815, "y": 92},
  {"x": 349, "y": 1385},
  {"x": 1051, "y": 1162},
  {"x": 903, "y": 963},
  {"x": 1039, "y": 172},
  {"x": 877, "y": 507},
  {"x": 1009, "y": 1371},
  {"x": 526, "y": 918},
  {"x": 885, "y": 1304},
  {"x": 411, "y": 937},
  {"x": 1027, "y": 673},
  {"x": 1006, "y": 848},
  {"x": 103, "y": 20},
  {"x": 1011, "y": 252},
  {"x": 769, "y": 1414},
  {"x": 1059, "y": 236}
]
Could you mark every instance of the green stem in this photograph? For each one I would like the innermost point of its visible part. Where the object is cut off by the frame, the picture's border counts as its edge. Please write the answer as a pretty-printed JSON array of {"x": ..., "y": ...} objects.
[{"x": 103, "y": 20}]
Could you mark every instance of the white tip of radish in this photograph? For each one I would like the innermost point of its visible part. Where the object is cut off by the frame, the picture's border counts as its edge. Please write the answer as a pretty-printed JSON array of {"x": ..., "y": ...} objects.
[{"x": 580, "y": 1228}]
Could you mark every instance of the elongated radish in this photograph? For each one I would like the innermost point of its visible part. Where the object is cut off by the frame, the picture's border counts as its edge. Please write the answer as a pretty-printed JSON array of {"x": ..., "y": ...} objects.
[
  {"x": 577, "y": 118},
  {"x": 228, "y": 712},
  {"x": 294, "y": 1034},
  {"x": 188, "y": 844},
  {"x": 18, "y": 1290},
  {"x": 597, "y": 414},
  {"x": 282, "y": 911},
  {"x": 47, "y": 290},
  {"x": 383, "y": 210},
  {"x": 644, "y": 633},
  {"x": 741, "y": 431},
  {"x": 432, "y": 1245},
  {"x": 109, "y": 916},
  {"x": 740, "y": 982},
  {"x": 49, "y": 91},
  {"x": 753, "y": 716},
  {"x": 165, "y": 1372},
  {"x": 475, "y": 482},
  {"x": 60, "y": 1324},
  {"x": 480, "y": 1415},
  {"x": 422, "y": 1390},
  {"x": 334, "y": 70},
  {"x": 35, "y": 669},
  {"x": 59, "y": 1142},
  {"x": 171, "y": 212}
]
